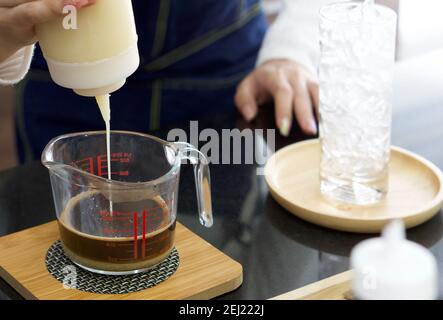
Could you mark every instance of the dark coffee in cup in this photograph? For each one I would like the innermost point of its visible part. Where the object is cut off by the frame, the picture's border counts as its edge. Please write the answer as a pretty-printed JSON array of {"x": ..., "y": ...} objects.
[{"x": 136, "y": 235}]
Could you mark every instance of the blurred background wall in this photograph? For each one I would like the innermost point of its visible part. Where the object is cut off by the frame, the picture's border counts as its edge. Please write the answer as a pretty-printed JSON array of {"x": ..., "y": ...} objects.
[{"x": 420, "y": 35}]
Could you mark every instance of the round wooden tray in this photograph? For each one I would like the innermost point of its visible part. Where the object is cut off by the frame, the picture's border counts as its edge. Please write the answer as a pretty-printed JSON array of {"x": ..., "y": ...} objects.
[{"x": 415, "y": 190}]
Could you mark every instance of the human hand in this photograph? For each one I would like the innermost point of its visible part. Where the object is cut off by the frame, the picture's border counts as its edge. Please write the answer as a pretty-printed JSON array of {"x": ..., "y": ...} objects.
[
  {"x": 18, "y": 19},
  {"x": 291, "y": 86}
]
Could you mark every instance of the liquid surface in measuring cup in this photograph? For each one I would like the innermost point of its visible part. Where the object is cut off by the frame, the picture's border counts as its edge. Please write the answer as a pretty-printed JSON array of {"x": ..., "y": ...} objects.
[{"x": 138, "y": 235}]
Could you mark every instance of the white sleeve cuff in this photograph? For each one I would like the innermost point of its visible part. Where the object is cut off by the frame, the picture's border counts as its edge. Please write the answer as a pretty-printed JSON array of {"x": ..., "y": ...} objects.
[
  {"x": 14, "y": 69},
  {"x": 294, "y": 35},
  {"x": 282, "y": 52}
]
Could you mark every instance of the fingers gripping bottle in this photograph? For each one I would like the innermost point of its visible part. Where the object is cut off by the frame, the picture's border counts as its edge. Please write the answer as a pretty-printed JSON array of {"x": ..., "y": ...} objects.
[{"x": 94, "y": 54}]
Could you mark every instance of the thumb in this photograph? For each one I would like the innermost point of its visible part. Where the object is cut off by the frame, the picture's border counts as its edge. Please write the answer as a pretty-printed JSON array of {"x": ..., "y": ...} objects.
[{"x": 245, "y": 99}]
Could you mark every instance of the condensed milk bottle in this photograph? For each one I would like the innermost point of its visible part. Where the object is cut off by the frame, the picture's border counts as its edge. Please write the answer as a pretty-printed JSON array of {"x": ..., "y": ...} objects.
[{"x": 96, "y": 56}]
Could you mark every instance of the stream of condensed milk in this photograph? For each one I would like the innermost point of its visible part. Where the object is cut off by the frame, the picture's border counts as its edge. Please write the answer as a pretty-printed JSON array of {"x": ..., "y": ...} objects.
[{"x": 105, "y": 109}]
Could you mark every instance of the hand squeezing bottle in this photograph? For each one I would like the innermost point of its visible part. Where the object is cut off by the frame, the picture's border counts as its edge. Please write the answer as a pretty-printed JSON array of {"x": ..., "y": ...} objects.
[{"x": 96, "y": 56}]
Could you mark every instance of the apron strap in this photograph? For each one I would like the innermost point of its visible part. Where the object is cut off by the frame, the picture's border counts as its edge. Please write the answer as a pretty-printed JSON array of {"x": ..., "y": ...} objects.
[
  {"x": 161, "y": 27},
  {"x": 202, "y": 42}
]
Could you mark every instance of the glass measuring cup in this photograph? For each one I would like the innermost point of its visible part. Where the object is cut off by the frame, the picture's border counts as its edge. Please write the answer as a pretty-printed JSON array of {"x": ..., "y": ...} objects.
[{"x": 127, "y": 224}]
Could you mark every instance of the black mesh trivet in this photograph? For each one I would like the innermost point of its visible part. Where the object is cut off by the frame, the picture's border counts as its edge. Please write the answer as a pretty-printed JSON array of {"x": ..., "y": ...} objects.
[{"x": 72, "y": 276}]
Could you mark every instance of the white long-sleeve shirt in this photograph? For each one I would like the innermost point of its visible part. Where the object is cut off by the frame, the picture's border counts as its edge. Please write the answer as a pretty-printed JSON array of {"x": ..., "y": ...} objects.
[
  {"x": 14, "y": 69},
  {"x": 294, "y": 35}
]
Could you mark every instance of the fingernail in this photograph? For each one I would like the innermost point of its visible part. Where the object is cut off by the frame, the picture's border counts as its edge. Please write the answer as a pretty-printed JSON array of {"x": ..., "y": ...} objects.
[
  {"x": 284, "y": 127},
  {"x": 313, "y": 127},
  {"x": 248, "y": 112},
  {"x": 77, "y": 3}
]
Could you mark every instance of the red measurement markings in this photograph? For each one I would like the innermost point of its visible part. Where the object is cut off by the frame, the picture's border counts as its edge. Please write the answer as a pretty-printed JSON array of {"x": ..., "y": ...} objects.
[
  {"x": 118, "y": 157},
  {"x": 152, "y": 211},
  {"x": 106, "y": 216},
  {"x": 86, "y": 164},
  {"x": 121, "y": 173},
  {"x": 111, "y": 219},
  {"x": 122, "y": 157},
  {"x": 135, "y": 236},
  {"x": 111, "y": 231},
  {"x": 144, "y": 234},
  {"x": 148, "y": 223},
  {"x": 127, "y": 215},
  {"x": 114, "y": 213},
  {"x": 100, "y": 165}
]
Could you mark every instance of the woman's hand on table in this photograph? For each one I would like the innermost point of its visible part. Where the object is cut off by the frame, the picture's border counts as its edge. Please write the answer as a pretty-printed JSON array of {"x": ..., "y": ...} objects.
[
  {"x": 293, "y": 89},
  {"x": 18, "y": 19}
]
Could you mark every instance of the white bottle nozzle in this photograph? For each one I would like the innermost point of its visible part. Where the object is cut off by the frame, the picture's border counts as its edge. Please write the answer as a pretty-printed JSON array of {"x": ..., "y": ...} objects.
[
  {"x": 393, "y": 234},
  {"x": 103, "y": 104},
  {"x": 94, "y": 92}
]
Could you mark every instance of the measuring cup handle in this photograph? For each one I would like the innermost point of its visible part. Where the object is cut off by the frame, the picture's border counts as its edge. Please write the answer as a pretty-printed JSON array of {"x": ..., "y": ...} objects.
[{"x": 202, "y": 180}]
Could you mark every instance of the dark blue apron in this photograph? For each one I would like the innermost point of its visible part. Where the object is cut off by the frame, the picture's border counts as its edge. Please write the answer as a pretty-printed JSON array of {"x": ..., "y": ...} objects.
[{"x": 193, "y": 54}]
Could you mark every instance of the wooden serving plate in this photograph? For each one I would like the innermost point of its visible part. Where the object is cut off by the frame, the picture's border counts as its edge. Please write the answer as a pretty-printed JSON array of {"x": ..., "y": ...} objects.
[
  {"x": 204, "y": 271},
  {"x": 415, "y": 190},
  {"x": 337, "y": 287}
]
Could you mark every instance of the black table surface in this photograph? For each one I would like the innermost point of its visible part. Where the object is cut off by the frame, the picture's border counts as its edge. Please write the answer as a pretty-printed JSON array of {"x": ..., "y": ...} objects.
[{"x": 278, "y": 251}]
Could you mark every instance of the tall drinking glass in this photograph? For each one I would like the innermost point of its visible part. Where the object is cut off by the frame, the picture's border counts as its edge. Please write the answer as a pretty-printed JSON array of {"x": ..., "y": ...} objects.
[{"x": 357, "y": 44}]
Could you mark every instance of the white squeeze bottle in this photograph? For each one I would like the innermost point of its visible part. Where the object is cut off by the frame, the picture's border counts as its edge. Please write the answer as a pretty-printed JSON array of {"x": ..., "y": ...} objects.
[
  {"x": 95, "y": 58},
  {"x": 92, "y": 51},
  {"x": 393, "y": 268}
]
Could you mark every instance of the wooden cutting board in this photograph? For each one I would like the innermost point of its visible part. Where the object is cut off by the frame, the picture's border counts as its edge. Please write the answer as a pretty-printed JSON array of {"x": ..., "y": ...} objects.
[
  {"x": 204, "y": 271},
  {"x": 337, "y": 287}
]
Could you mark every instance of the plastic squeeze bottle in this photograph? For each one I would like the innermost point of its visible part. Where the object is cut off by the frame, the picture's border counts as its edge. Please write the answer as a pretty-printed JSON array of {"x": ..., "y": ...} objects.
[
  {"x": 96, "y": 51},
  {"x": 393, "y": 268}
]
